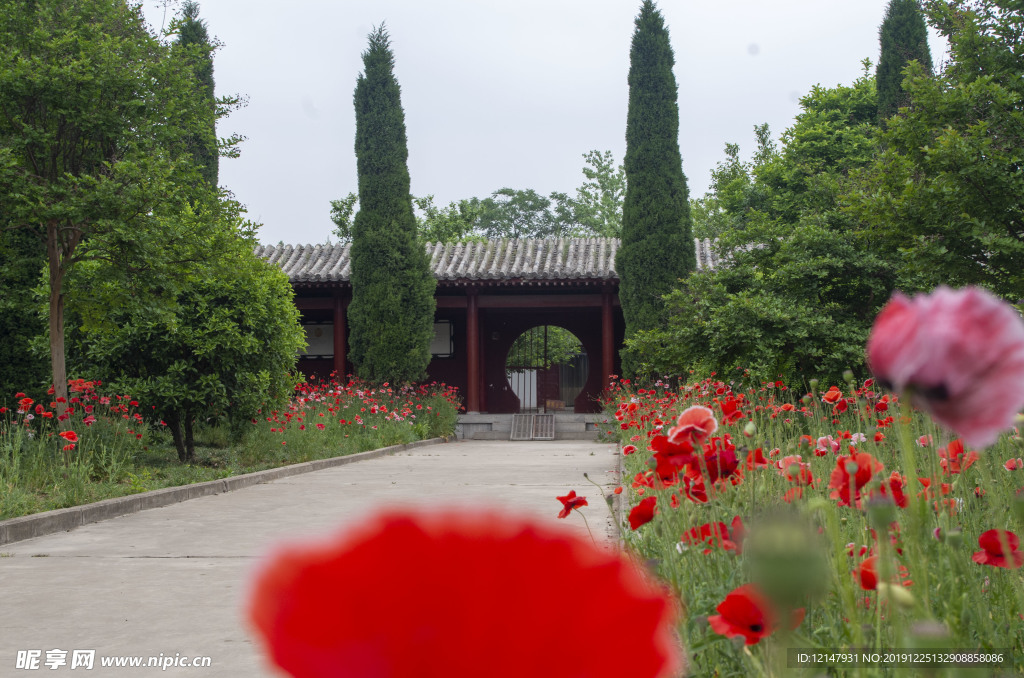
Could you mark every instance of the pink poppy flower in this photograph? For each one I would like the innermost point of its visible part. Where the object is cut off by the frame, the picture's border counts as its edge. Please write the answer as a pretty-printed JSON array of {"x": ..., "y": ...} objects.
[
  {"x": 962, "y": 354},
  {"x": 695, "y": 424}
]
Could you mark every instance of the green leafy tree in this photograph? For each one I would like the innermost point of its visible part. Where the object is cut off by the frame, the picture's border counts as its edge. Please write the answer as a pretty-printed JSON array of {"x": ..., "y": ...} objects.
[
  {"x": 94, "y": 113},
  {"x": 511, "y": 213},
  {"x": 342, "y": 212},
  {"x": 457, "y": 222},
  {"x": 657, "y": 245},
  {"x": 21, "y": 265},
  {"x": 947, "y": 191},
  {"x": 799, "y": 288},
  {"x": 903, "y": 38},
  {"x": 532, "y": 350},
  {"x": 194, "y": 41},
  {"x": 200, "y": 331},
  {"x": 598, "y": 204},
  {"x": 392, "y": 311}
]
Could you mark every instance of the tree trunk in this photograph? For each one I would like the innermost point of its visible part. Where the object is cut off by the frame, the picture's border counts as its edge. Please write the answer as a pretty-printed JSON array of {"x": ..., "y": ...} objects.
[
  {"x": 190, "y": 444},
  {"x": 57, "y": 362},
  {"x": 174, "y": 423}
]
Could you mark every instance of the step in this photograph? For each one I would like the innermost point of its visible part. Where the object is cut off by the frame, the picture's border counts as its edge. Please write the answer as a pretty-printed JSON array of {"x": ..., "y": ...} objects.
[{"x": 559, "y": 435}]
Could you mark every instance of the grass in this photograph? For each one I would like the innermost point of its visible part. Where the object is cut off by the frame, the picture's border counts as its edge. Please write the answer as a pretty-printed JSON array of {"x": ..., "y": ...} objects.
[{"x": 119, "y": 452}]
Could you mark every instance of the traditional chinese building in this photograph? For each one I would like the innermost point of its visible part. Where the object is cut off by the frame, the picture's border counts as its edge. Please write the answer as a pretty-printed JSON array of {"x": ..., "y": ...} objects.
[{"x": 488, "y": 294}]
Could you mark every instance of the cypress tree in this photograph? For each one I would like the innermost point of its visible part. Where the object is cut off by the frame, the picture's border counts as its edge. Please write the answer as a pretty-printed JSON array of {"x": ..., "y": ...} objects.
[
  {"x": 391, "y": 317},
  {"x": 194, "y": 39},
  {"x": 904, "y": 38},
  {"x": 657, "y": 244}
]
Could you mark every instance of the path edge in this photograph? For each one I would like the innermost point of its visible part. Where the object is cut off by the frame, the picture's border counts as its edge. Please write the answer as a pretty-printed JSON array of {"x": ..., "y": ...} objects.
[{"x": 63, "y": 520}]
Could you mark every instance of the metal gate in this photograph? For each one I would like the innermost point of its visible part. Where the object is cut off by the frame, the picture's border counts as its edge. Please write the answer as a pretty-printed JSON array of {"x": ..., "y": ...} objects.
[{"x": 546, "y": 368}]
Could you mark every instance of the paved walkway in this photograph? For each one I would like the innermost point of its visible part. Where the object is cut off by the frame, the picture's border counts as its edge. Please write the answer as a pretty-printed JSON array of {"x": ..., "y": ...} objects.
[{"x": 172, "y": 580}]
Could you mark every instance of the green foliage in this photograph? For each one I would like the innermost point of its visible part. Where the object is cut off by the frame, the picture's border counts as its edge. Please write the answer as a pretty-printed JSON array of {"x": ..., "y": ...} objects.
[
  {"x": 903, "y": 38},
  {"x": 807, "y": 311},
  {"x": 511, "y": 213},
  {"x": 533, "y": 350},
  {"x": 734, "y": 193},
  {"x": 799, "y": 290},
  {"x": 21, "y": 264},
  {"x": 598, "y": 204},
  {"x": 341, "y": 214},
  {"x": 194, "y": 41},
  {"x": 94, "y": 117},
  {"x": 657, "y": 245},
  {"x": 457, "y": 222},
  {"x": 201, "y": 329},
  {"x": 947, "y": 190},
  {"x": 392, "y": 311}
]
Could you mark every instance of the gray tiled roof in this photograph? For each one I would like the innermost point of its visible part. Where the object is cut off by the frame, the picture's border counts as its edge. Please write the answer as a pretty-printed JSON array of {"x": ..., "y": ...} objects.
[{"x": 501, "y": 259}]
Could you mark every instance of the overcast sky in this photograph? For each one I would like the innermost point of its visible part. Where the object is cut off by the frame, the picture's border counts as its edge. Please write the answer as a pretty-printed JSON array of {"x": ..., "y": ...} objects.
[{"x": 504, "y": 92}]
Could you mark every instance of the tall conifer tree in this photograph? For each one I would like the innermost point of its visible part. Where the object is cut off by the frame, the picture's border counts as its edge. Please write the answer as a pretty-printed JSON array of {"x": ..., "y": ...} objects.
[
  {"x": 657, "y": 244},
  {"x": 192, "y": 35},
  {"x": 391, "y": 316},
  {"x": 904, "y": 38}
]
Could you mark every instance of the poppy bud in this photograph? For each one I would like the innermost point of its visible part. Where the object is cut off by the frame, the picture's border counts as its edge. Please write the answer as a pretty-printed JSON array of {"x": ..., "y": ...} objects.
[
  {"x": 881, "y": 512},
  {"x": 750, "y": 429},
  {"x": 848, "y": 376},
  {"x": 813, "y": 383},
  {"x": 786, "y": 562},
  {"x": 897, "y": 593},
  {"x": 955, "y": 538}
]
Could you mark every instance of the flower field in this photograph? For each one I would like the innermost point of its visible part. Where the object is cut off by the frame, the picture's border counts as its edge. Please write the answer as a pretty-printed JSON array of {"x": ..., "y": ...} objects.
[
  {"x": 839, "y": 517},
  {"x": 106, "y": 445}
]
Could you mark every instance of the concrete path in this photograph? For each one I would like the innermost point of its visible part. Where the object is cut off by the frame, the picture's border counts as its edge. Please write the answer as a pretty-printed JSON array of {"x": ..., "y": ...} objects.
[{"x": 171, "y": 581}]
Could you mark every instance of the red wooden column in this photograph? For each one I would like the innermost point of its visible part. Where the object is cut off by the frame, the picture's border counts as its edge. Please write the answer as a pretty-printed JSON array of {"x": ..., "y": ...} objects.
[
  {"x": 340, "y": 340},
  {"x": 472, "y": 352},
  {"x": 607, "y": 338}
]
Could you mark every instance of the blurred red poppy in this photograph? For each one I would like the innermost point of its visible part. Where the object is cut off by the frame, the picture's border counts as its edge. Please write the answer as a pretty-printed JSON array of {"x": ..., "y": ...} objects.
[
  {"x": 459, "y": 595},
  {"x": 748, "y": 613},
  {"x": 994, "y": 554}
]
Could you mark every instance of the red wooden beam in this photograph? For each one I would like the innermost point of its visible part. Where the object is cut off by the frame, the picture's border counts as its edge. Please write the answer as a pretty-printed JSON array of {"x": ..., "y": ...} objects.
[
  {"x": 540, "y": 301},
  {"x": 314, "y": 303}
]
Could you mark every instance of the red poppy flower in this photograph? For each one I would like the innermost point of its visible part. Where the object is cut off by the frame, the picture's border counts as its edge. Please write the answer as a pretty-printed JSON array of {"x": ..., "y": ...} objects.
[
  {"x": 954, "y": 459},
  {"x": 731, "y": 411},
  {"x": 867, "y": 574},
  {"x": 717, "y": 534},
  {"x": 69, "y": 436},
  {"x": 643, "y": 512},
  {"x": 962, "y": 351},
  {"x": 694, "y": 425},
  {"x": 994, "y": 553},
  {"x": 748, "y": 613},
  {"x": 832, "y": 396},
  {"x": 570, "y": 502},
  {"x": 677, "y": 453},
  {"x": 353, "y": 606},
  {"x": 892, "y": 487},
  {"x": 756, "y": 459},
  {"x": 694, "y": 487},
  {"x": 852, "y": 471}
]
